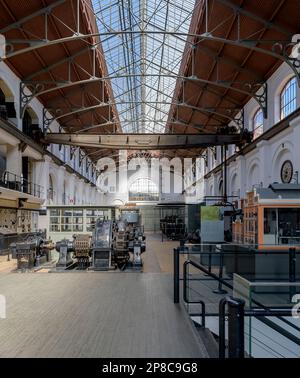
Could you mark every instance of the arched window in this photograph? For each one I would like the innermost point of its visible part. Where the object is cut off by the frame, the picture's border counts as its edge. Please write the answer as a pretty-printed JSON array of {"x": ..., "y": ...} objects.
[
  {"x": 143, "y": 189},
  {"x": 288, "y": 98},
  {"x": 258, "y": 124},
  {"x": 7, "y": 106},
  {"x": 26, "y": 123},
  {"x": 30, "y": 124}
]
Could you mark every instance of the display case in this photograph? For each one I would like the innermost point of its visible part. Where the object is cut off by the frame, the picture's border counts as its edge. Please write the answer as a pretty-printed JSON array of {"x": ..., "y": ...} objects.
[
  {"x": 250, "y": 220},
  {"x": 271, "y": 218},
  {"x": 64, "y": 221}
]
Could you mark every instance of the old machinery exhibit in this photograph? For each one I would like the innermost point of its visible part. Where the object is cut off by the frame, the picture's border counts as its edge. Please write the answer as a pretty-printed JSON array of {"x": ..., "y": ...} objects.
[{"x": 112, "y": 245}]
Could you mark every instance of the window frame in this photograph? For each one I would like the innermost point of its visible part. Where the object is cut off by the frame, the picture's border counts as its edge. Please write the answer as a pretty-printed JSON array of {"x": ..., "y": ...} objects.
[
  {"x": 286, "y": 108},
  {"x": 143, "y": 195},
  {"x": 255, "y": 125}
]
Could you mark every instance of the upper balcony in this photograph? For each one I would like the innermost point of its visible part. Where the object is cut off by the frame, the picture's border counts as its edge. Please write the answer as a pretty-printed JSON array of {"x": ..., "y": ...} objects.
[{"x": 15, "y": 187}]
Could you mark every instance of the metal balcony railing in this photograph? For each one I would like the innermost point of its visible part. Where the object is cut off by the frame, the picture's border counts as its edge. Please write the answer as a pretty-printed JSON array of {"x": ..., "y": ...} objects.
[
  {"x": 14, "y": 182},
  {"x": 258, "y": 288}
]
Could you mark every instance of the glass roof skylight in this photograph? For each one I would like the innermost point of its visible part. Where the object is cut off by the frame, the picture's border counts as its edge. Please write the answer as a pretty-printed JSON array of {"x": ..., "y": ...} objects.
[{"x": 139, "y": 64}]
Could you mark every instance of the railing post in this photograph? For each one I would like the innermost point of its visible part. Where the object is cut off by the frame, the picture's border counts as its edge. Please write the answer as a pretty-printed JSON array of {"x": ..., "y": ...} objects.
[
  {"x": 222, "y": 305},
  {"x": 209, "y": 258},
  {"x": 292, "y": 264},
  {"x": 220, "y": 289},
  {"x": 236, "y": 338},
  {"x": 185, "y": 273},
  {"x": 292, "y": 270},
  {"x": 176, "y": 274}
]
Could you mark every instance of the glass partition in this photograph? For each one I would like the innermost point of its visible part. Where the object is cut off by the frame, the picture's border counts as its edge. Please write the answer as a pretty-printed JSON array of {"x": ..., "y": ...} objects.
[
  {"x": 270, "y": 336},
  {"x": 282, "y": 226},
  {"x": 64, "y": 220}
]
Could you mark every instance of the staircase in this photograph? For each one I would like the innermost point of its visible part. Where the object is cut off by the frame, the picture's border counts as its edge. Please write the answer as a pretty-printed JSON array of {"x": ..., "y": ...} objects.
[{"x": 208, "y": 340}]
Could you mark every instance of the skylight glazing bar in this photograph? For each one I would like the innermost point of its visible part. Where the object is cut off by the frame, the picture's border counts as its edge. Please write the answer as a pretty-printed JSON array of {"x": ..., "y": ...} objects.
[{"x": 138, "y": 56}]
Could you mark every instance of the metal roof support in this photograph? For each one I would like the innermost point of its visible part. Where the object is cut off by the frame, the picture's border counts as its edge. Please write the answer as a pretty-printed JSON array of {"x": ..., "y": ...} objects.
[
  {"x": 132, "y": 26},
  {"x": 72, "y": 151},
  {"x": 240, "y": 120},
  {"x": 267, "y": 24},
  {"x": 46, "y": 11},
  {"x": 47, "y": 121},
  {"x": 261, "y": 97},
  {"x": 174, "y": 121},
  {"x": 82, "y": 156},
  {"x": 279, "y": 51},
  {"x": 246, "y": 43},
  {"x": 256, "y": 90}
]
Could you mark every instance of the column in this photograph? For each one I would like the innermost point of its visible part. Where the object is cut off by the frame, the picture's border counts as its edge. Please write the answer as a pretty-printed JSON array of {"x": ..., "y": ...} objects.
[
  {"x": 241, "y": 175},
  {"x": 60, "y": 184},
  {"x": 265, "y": 163},
  {"x": 73, "y": 188},
  {"x": 215, "y": 185},
  {"x": 80, "y": 185},
  {"x": 296, "y": 150},
  {"x": 41, "y": 175},
  {"x": 14, "y": 160}
]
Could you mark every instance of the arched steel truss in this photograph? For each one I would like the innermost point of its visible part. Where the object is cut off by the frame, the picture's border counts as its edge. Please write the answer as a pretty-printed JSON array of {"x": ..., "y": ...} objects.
[
  {"x": 173, "y": 121},
  {"x": 55, "y": 114},
  {"x": 280, "y": 49},
  {"x": 257, "y": 89}
]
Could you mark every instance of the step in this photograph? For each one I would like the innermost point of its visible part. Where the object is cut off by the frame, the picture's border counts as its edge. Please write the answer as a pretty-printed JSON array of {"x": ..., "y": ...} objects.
[{"x": 209, "y": 341}]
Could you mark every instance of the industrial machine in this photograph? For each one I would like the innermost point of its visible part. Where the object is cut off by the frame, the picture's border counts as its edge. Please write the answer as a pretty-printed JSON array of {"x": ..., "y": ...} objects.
[
  {"x": 65, "y": 248},
  {"x": 173, "y": 227},
  {"x": 137, "y": 245},
  {"x": 31, "y": 252},
  {"x": 109, "y": 247},
  {"x": 102, "y": 245},
  {"x": 80, "y": 246}
]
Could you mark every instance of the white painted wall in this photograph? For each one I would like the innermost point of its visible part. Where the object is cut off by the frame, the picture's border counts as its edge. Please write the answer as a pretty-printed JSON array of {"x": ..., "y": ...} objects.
[
  {"x": 261, "y": 166},
  {"x": 42, "y": 169}
]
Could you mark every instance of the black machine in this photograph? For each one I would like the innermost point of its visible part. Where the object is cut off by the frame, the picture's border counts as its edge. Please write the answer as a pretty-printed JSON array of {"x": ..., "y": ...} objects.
[
  {"x": 173, "y": 227},
  {"x": 33, "y": 251}
]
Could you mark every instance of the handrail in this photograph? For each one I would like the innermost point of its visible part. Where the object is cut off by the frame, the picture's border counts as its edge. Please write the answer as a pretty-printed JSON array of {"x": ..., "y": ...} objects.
[
  {"x": 206, "y": 271},
  {"x": 261, "y": 313},
  {"x": 20, "y": 184},
  {"x": 224, "y": 282},
  {"x": 185, "y": 296},
  {"x": 279, "y": 329},
  {"x": 266, "y": 309}
]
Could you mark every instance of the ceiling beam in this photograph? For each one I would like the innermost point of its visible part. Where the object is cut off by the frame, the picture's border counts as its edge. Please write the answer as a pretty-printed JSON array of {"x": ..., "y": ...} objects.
[{"x": 146, "y": 141}]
